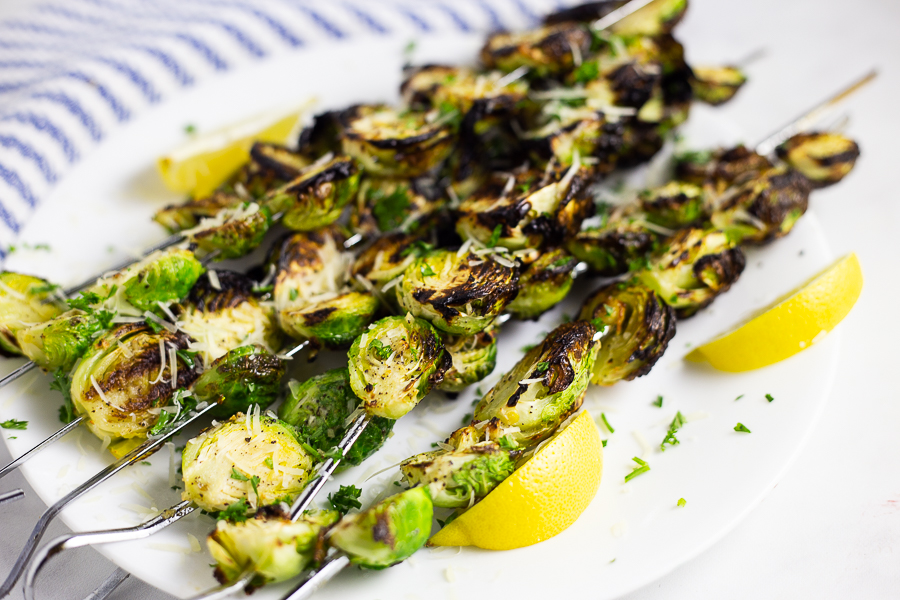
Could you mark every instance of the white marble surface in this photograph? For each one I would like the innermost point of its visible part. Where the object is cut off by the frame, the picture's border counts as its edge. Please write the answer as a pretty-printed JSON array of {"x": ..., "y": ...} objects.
[{"x": 829, "y": 528}]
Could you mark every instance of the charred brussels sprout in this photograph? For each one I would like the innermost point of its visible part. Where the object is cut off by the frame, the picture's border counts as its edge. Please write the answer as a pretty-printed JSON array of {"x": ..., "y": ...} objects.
[
  {"x": 177, "y": 217},
  {"x": 472, "y": 359},
  {"x": 720, "y": 169},
  {"x": 388, "y": 257},
  {"x": 395, "y": 363},
  {"x": 638, "y": 328},
  {"x": 765, "y": 208},
  {"x": 385, "y": 205},
  {"x": 615, "y": 246},
  {"x": 162, "y": 277},
  {"x": 571, "y": 131},
  {"x": 548, "y": 50},
  {"x": 544, "y": 388},
  {"x": 250, "y": 457},
  {"x": 233, "y": 232},
  {"x": 458, "y": 294},
  {"x": 333, "y": 322},
  {"x": 317, "y": 197},
  {"x": 24, "y": 301},
  {"x": 59, "y": 342},
  {"x": 823, "y": 158},
  {"x": 390, "y": 143},
  {"x": 245, "y": 376},
  {"x": 544, "y": 283},
  {"x": 674, "y": 205},
  {"x": 320, "y": 408},
  {"x": 125, "y": 375},
  {"x": 696, "y": 266},
  {"x": 387, "y": 533},
  {"x": 717, "y": 85},
  {"x": 228, "y": 315},
  {"x": 273, "y": 546},
  {"x": 656, "y": 18}
]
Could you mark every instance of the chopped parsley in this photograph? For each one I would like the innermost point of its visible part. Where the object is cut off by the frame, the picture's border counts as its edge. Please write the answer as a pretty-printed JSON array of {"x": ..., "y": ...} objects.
[
  {"x": 45, "y": 288},
  {"x": 146, "y": 463},
  {"x": 642, "y": 467},
  {"x": 63, "y": 384},
  {"x": 740, "y": 427},
  {"x": 293, "y": 294},
  {"x": 670, "y": 438},
  {"x": 542, "y": 367},
  {"x": 769, "y": 397},
  {"x": 190, "y": 129},
  {"x": 417, "y": 249},
  {"x": 187, "y": 357},
  {"x": 739, "y": 397},
  {"x": 658, "y": 402},
  {"x": 605, "y": 422},
  {"x": 390, "y": 210},
  {"x": 311, "y": 451},
  {"x": 410, "y": 47},
  {"x": 268, "y": 462},
  {"x": 495, "y": 236},
  {"x": 682, "y": 502},
  {"x": 236, "y": 512},
  {"x": 381, "y": 350},
  {"x": 14, "y": 424},
  {"x": 334, "y": 453},
  {"x": 27, "y": 246},
  {"x": 427, "y": 271},
  {"x": 185, "y": 403},
  {"x": 587, "y": 71},
  {"x": 507, "y": 443},
  {"x": 604, "y": 443},
  {"x": 638, "y": 264},
  {"x": 345, "y": 499}
]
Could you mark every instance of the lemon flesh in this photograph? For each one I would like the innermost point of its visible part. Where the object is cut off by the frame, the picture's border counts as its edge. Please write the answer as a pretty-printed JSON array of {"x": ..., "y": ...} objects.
[
  {"x": 540, "y": 499},
  {"x": 791, "y": 325}
]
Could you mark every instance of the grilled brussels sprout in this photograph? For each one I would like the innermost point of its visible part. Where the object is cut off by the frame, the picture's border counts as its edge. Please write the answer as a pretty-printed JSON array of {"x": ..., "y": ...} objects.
[
  {"x": 549, "y": 50},
  {"x": 233, "y": 232},
  {"x": 544, "y": 388},
  {"x": 245, "y": 376},
  {"x": 823, "y": 158},
  {"x": 527, "y": 212},
  {"x": 638, "y": 328},
  {"x": 322, "y": 136},
  {"x": 125, "y": 375},
  {"x": 252, "y": 457},
  {"x": 24, "y": 300},
  {"x": 583, "y": 130},
  {"x": 656, "y": 18},
  {"x": 59, "y": 342},
  {"x": 390, "y": 204},
  {"x": 472, "y": 359},
  {"x": 390, "y": 143},
  {"x": 387, "y": 258},
  {"x": 696, "y": 266},
  {"x": 612, "y": 248},
  {"x": 458, "y": 294},
  {"x": 460, "y": 477},
  {"x": 227, "y": 315},
  {"x": 177, "y": 217},
  {"x": 319, "y": 408},
  {"x": 717, "y": 85},
  {"x": 765, "y": 208},
  {"x": 544, "y": 283},
  {"x": 395, "y": 363},
  {"x": 317, "y": 197},
  {"x": 387, "y": 533},
  {"x": 273, "y": 546},
  {"x": 674, "y": 205},
  {"x": 720, "y": 169}
]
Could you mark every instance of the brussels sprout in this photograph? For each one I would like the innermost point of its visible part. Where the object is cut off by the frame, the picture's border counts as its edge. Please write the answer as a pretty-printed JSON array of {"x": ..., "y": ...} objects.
[
  {"x": 272, "y": 545},
  {"x": 639, "y": 327},
  {"x": 395, "y": 363},
  {"x": 611, "y": 249},
  {"x": 674, "y": 205},
  {"x": 720, "y": 169},
  {"x": 24, "y": 301},
  {"x": 333, "y": 322},
  {"x": 765, "y": 208},
  {"x": 228, "y": 315},
  {"x": 458, "y": 294},
  {"x": 823, "y": 158},
  {"x": 322, "y": 136},
  {"x": 458, "y": 478},
  {"x": 162, "y": 277},
  {"x": 233, "y": 232},
  {"x": 545, "y": 387},
  {"x": 389, "y": 204},
  {"x": 59, "y": 342},
  {"x": 245, "y": 376},
  {"x": 656, "y": 18},
  {"x": 387, "y": 257},
  {"x": 528, "y": 211},
  {"x": 626, "y": 81},
  {"x": 570, "y": 131},
  {"x": 696, "y": 266},
  {"x": 543, "y": 284},
  {"x": 283, "y": 163},
  {"x": 317, "y": 197},
  {"x": 472, "y": 359},
  {"x": 389, "y": 143},
  {"x": 125, "y": 376},
  {"x": 320, "y": 408},
  {"x": 177, "y": 217},
  {"x": 387, "y": 533},
  {"x": 548, "y": 50},
  {"x": 717, "y": 85},
  {"x": 252, "y": 457}
]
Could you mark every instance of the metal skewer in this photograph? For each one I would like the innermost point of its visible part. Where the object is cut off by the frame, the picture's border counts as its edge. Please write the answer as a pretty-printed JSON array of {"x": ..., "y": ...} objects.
[{"x": 52, "y": 438}]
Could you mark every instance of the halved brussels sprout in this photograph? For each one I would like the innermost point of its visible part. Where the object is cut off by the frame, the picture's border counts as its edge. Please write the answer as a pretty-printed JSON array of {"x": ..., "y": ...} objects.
[
  {"x": 615, "y": 246},
  {"x": 823, "y": 158},
  {"x": 233, "y": 232},
  {"x": 458, "y": 294},
  {"x": 385, "y": 204},
  {"x": 386, "y": 258},
  {"x": 59, "y": 342},
  {"x": 717, "y": 85},
  {"x": 245, "y": 376},
  {"x": 544, "y": 388},
  {"x": 272, "y": 545},
  {"x": 696, "y": 266},
  {"x": 548, "y": 50},
  {"x": 252, "y": 457},
  {"x": 24, "y": 301},
  {"x": 387, "y": 533},
  {"x": 568, "y": 131},
  {"x": 333, "y": 322},
  {"x": 228, "y": 315},
  {"x": 395, "y": 363},
  {"x": 392, "y": 143},
  {"x": 656, "y": 18},
  {"x": 317, "y": 197},
  {"x": 674, "y": 205},
  {"x": 177, "y": 217},
  {"x": 639, "y": 327},
  {"x": 460, "y": 477},
  {"x": 545, "y": 281},
  {"x": 720, "y": 169},
  {"x": 765, "y": 208},
  {"x": 320, "y": 408},
  {"x": 472, "y": 359},
  {"x": 528, "y": 211},
  {"x": 270, "y": 167},
  {"x": 322, "y": 136},
  {"x": 126, "y": 376}
]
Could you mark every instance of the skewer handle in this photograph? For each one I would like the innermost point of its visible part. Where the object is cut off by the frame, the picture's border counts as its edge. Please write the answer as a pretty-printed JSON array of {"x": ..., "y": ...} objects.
[
  {"x": 109, "y": 585},
  {"x": 311, "y": 585},
  {"x": 49, "y": 440}
]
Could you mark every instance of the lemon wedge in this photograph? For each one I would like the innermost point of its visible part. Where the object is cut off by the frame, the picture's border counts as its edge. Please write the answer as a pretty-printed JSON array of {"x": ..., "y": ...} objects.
[
  {"x": 204, "y": 162},
  {"x": 540, "y": 499},
  {"x": 790, "y": 326}
]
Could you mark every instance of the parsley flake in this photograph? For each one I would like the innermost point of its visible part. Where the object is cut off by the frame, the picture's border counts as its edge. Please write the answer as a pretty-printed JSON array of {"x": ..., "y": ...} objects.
[
  {"x": 769, "y": 397},
  {"x": 495, "y": 236},
  {"x": 740, "y": 427},
  {"x": 682, "y": 502},
  {"x": 642, "y": 467},
  {"x": 346, "y": 498},
  {"x": 14, "y": 424},
  {"x": 605, "y": 422},
  {"x": 658, "y": 402},
  {"x": 670, "y": 438}
]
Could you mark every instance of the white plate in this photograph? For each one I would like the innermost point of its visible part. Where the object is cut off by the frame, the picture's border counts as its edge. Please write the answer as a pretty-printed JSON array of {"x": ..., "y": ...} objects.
[{"x": 630, "y": 535}]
